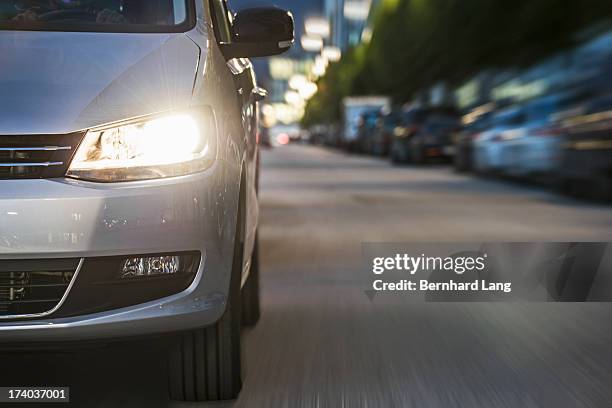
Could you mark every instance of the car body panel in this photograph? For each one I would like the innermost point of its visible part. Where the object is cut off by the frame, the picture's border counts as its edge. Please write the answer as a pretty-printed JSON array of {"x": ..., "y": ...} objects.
[
  {"x": 74, "y": 81},
  {"x": 491, "y": 147},
  {"x": 587, "y": 149},
  {"x": 55, "y": 218},
  {"x": 238, "y": 134}
]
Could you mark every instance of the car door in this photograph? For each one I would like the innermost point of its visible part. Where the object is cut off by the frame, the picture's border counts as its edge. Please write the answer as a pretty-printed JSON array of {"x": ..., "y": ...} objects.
[{"x": 247, "y": 96}]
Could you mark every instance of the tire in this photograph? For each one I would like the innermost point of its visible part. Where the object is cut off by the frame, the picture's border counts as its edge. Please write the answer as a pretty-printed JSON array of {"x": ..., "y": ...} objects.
[
  {"x": 205, "y": 364},
  {"x": 251, "y": 310}
]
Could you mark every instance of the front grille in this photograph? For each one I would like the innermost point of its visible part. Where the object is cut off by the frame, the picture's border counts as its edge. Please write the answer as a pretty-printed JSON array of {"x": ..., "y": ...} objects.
[
  {"x": 36, "y": 156},
  {"x": 34, "y": 287}
]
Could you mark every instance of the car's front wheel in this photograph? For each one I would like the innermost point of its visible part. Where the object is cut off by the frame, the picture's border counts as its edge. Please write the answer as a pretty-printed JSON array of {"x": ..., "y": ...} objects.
[
  {"x": 250, "y": 291},
  {"x": 205, "y": 364}
]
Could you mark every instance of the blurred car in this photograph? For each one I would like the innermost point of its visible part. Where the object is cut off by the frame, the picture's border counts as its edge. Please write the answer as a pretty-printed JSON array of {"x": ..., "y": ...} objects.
[
  {"x": 433, "y": 139},
  {"x": 383, "y": 134},
  {"x": 474, "y": 123},
  {"x": 129, "y": 163},
  {"x": 353, "y": 109},
  {"x": 366, "y": 129},
  {"x": 535, "y": 151},
  {"x": 586, "y": 156},
  {"x": 409, "y": 123},
  {"x": 281, "y": 135},
  {"x": 490, "y": 147}
]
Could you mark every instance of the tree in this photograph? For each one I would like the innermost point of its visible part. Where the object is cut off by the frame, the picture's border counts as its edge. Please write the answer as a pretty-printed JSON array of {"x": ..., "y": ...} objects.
[{"x": 416, "y": 43}]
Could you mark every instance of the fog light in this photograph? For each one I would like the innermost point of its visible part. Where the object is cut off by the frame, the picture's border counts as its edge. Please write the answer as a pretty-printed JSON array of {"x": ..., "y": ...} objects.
[{"x": 151, "y": 266}]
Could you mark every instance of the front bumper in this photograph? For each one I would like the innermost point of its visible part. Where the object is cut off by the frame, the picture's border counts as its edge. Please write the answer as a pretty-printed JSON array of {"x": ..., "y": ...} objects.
[{"x": 63, "y": 218}]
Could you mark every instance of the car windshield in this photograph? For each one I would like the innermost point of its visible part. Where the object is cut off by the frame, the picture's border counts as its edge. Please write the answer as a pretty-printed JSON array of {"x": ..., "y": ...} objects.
[{"x": 95, "y": 15}]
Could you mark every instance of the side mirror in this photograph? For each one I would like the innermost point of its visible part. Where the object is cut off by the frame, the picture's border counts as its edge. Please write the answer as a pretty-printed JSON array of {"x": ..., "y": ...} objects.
[{"x": 260, "y": 32}]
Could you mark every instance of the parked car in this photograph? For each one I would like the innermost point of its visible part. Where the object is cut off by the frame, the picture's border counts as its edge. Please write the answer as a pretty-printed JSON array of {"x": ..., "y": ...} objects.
[
  {"x": 383, "y": 134},
  {"x": 586, "y": 158},
  {"x": 353, "y": 109},
  {"x": 535, "y": 151},
  {"x": 366, "y": 129},
  {"x": 433, "y": 138},
  {"x": 410, "y": 122},
  {"x": 490, "y": 148},
  {"x": 128, "y": 178},
  {"x": 474, "y": 123}
]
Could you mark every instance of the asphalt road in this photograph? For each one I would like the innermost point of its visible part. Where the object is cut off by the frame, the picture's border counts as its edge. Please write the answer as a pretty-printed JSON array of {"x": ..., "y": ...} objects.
[{"x": 323, "y": 343}]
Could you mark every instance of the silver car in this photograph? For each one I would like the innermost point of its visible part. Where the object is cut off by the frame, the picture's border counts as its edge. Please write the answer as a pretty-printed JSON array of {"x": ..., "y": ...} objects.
[{"x": 128, "y": 176}]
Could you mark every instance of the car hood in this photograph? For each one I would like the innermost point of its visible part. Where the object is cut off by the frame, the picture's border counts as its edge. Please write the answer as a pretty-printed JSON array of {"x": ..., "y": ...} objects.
[{"x": 52, "y": 82}]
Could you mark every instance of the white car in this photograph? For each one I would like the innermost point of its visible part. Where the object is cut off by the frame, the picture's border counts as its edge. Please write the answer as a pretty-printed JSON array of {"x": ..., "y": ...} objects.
[
  {"x": 493, "y": 148},
  {"x": 128, "y": 176},
  {"x": 539, "y": 150}
]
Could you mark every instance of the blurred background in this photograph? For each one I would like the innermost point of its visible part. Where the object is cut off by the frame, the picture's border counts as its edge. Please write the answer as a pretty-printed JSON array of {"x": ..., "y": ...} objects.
[
  {"x": 521, "y": 89},
  {"x": 411, "y": 121},
  {"x": 430, "y": 121}
]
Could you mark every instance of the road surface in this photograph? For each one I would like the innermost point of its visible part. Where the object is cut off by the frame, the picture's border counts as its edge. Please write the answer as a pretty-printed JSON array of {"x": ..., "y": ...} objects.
[{"x": 323, "y": 343}]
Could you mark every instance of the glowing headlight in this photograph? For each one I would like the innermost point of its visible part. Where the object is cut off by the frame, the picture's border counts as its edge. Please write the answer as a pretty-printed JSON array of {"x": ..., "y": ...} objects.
[
  {"x": 400, "y": 131},
  {"x": 161, "y": 147}
]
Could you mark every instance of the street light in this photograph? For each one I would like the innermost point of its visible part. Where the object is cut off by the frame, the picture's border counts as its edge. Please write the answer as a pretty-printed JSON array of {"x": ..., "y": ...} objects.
[
  {"x": 357, "y": 10},
  {"x": 297, "y": 81},
  {"x": 311, "y": 44},
  {"x": 321, "y": 61},
  {"x": 319, "y": 68},
  {"x": 293, "y": 98},
  {"x": 366, "y": 35},
  {"x": 308, "y": 90},
  {"x": 331, "y": 53},
  {"x": 317, "y": 27}
]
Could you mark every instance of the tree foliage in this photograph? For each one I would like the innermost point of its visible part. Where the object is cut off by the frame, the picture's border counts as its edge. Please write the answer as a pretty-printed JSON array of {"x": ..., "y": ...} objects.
[{"x": 417, "y": 43}]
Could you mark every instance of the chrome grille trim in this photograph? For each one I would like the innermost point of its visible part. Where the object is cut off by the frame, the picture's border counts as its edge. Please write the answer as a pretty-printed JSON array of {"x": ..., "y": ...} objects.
[
  {"x": 57, "y": 306},
  {"x": 37, "y": 156},
  {"x": 42, "y": 164},
  {"x": 35, "y": 149}
]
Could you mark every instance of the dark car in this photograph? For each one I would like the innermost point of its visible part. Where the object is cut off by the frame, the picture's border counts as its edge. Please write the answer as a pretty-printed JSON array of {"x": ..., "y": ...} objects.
[
  {"x": 586, "y": 158},
  {"x": 409, "y": 123},
  {"x": 428, "y": 136},
  {"x": 383, "y": 134},
  {"x": 475, "y": 122},
  {"x": 366, "y": 130}
]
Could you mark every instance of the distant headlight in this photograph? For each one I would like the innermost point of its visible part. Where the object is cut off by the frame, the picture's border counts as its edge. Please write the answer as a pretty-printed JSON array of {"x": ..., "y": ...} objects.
[
  {"x": 159, "y": 147},
  {"x": 400, "y": 131}
]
